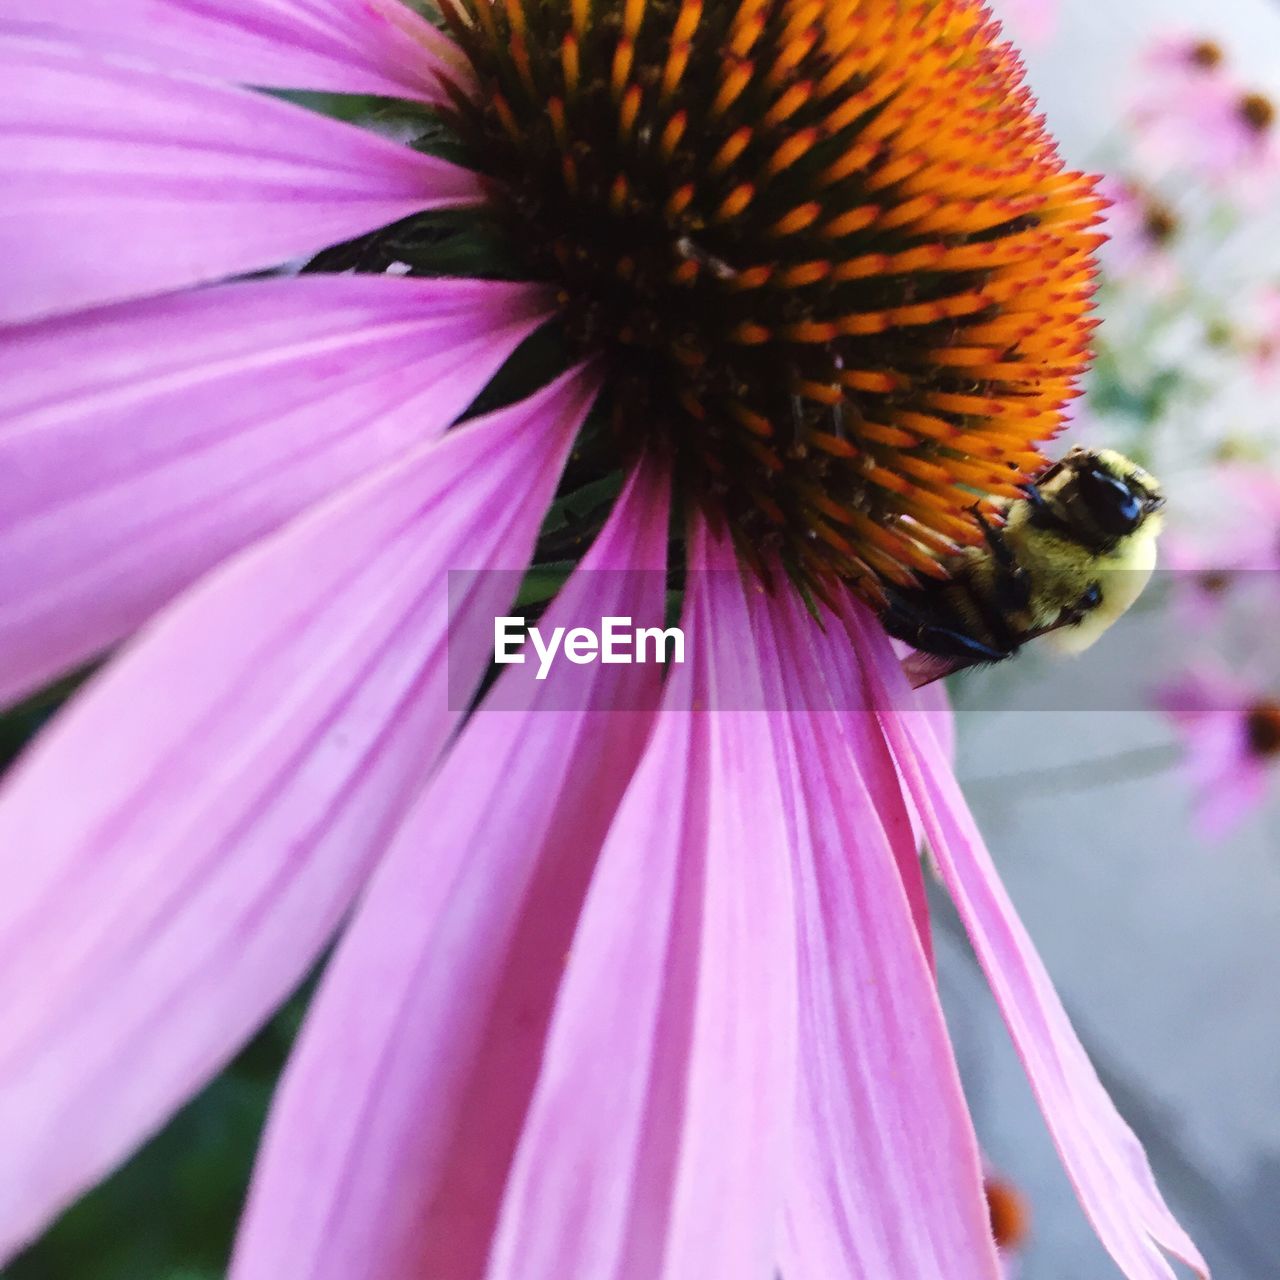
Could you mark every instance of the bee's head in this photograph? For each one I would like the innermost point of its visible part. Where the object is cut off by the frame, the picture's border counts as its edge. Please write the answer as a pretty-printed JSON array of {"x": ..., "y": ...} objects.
[{"x": 1101, "y": 496}]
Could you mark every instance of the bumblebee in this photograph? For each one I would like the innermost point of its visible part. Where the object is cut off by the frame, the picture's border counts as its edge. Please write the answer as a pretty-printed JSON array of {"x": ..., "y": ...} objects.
[{"x": 1065, "y": 560}]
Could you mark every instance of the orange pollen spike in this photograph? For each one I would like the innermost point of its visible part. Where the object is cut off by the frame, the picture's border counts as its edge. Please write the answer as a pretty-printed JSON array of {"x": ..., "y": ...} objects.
[
  {"x": 754, "y": 422},
  {"x": 805, "y": 273},
  {"x": 686, "y": 272},
  {"x": 819, "y": 392},
  {"x": 796, "y": 146},
  {"x": 734, "y": 145},
  {"x": 679, "y": 201},
  {"x": 632, "y": 17},
  {"x": 793, "y": 54},
  {"x": 508, "y": 119},
  {"x": 520, "y": 56},
  {"x": 687, "y": 21},
  {"x": 515, "y": 16},
  {"x": 569, "y": 63},
  {"x": 798, "y": 219},
  {"x": 750, "y": 334},
  {"x": 629, "y": 109},
  {"x": 623, "y": 58},
  {"x": 872, "y": 380},
  {"x": 734, "y": 203},
  {"x": 847, "y": 224},
  {"x": 787, "y": 105},
  {"x": 736, "y": 78},
  {"x": 836, "y": 446},
  {"x": 677, "y": 61},
  {"x": 672, "y": 134}
]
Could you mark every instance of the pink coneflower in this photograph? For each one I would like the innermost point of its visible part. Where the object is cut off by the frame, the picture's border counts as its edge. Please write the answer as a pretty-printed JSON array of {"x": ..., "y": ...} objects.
[
  {"x": 620, "y": 993},
  {"x": 1141, "y": 229},
  {"x": 1232, "y": 541},
  {"x": 1193, "y": 115},
  {"x": 1231, "y": 737},
  {"x": 1186, "y": 55}
]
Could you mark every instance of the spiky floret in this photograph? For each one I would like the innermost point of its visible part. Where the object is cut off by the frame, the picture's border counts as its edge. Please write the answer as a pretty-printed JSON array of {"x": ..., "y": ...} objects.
[{"x": 834, "y": 260}]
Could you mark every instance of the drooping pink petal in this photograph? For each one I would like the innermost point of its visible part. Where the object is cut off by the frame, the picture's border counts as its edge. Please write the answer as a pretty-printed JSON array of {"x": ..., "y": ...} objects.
[
  {"x": 887, "y": 1178},
  {"x": 389, "y": 1143},
  {"x": 144, "y": 442},
  {"x": 897, "y": 818},
  {"x": 344, "y": 46},
  {"x": 1104, "y": 1159},
  {"x": 236, "y": 773},
  {"x": 656, "y": 1145},
  {"x": 122, "y": 181}
]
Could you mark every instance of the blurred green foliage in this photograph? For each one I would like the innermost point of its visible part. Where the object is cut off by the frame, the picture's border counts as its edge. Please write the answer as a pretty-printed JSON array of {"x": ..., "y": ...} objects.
[{"x": 170, "y": 1212}]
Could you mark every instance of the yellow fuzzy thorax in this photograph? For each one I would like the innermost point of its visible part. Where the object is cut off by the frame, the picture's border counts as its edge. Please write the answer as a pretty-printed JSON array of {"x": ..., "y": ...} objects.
[{"x": 1061, "y": 570}]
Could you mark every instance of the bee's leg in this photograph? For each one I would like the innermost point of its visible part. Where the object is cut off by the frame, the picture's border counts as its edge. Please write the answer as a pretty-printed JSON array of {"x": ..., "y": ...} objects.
[
  {"x": 1013, "y": 582},
  {"x": 1089, "y": 600},
  {"x": 1009, "y": 593},
  {"x": 1043, "y": 515}
]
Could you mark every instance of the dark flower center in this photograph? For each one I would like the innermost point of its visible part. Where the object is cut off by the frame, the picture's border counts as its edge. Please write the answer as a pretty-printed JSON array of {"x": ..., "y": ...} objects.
[
  {"x": 1159, "y": 223},
  {"x": 1262, "y": 726},
  {"x": 1206, "y": 53},
  {"x": 832, "y": 260},
  {"x": 1010, "y": 1219},
  {"x": 1258, "y": 112}
]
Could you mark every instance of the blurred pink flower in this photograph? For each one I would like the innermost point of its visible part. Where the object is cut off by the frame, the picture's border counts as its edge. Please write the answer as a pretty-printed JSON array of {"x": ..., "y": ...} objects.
[
  {"x": 1035, "y": 22},
  {"x": 1265, "y": 337},
  {"x": 1231, "y": 738},
  {"x": 619, "y": 994},
  {"x": 1191, "y": 115},
  {"x": 1140, "y": 228},
  {"x": 1184, "y": 56},
  {"x": 1235, "y": 536}
]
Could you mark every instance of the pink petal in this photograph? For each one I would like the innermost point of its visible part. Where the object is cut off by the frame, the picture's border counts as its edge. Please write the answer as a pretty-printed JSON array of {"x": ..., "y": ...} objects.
[
  {"x": 175, "y": 851},
  {"x": 345, "y": 46},
  {"x": 121, "y": 181},
  {"x": 886, "y": 1175},
  {"x": 657, "y": 1140},
  {"x": 389, "y": 1144},
  {"x": 1105, "y": 1161},
  {"x": 147, "y": 441},
  {"x": 1223, "y": 806}
]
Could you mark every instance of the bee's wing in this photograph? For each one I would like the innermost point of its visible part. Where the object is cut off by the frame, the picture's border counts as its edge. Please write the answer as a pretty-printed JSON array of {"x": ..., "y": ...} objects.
[{"x": 924, "y": 668}]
